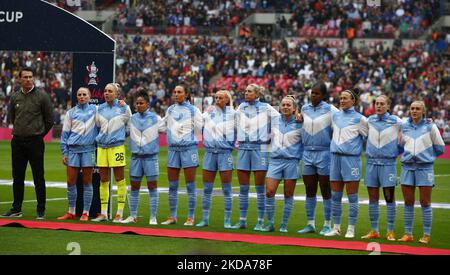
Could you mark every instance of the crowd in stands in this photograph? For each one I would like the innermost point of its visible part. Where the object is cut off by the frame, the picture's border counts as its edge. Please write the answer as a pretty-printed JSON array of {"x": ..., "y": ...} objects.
[
  {"x": 285, "y": 67},
  {"x": 405, "y": 74},
  {"x": 310, "y": 18},
  {"x": 175, "y": 13},
  {"x": 327, "y": 18},
  {"x": 76, "y": 5},
  {"x": 405, "y": 19},
  {"x": 52, "y": 73}
]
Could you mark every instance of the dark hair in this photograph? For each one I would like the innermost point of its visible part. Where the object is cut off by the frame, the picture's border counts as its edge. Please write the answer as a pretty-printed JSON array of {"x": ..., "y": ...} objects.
[
  {"x": 143, "y": 94},
  {"x": 185, "y": 87},
  {"x": 186, "y": 90},
  {"x": 27, "y": 69},
  {"x": 321, "y": 86},
  {"x": 355, "y": 92}
]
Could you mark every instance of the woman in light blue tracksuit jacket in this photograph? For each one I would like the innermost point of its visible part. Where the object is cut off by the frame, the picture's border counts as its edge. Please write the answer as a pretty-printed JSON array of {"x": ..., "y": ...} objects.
[
  {"x": 285, "y": 154},
  {"x": 219, "y": 138},
  {"x": 254, "y": 119},
  {"x": 349, "y": 132},
  {"x": 184, "y": 123},
  {"x": 78, "y": 150},
  {"x": 422, "y": 144}
]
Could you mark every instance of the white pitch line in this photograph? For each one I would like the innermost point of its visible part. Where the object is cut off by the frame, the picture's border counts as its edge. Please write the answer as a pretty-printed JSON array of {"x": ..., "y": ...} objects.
[
  {"x": 183, "y": 192},
  {"x": 25, "y": 201}
]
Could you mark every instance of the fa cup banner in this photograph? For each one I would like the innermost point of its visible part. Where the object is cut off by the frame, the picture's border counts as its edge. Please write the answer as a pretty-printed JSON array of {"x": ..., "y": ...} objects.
[{"x": 94, "y": 71}]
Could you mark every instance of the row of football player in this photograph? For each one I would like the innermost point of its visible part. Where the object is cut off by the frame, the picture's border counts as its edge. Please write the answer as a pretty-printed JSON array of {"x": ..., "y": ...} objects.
[{"x": 327, "y": 140}]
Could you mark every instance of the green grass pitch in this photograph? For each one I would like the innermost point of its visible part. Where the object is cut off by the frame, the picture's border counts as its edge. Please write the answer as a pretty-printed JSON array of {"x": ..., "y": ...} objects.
[{"x": 27, "y": 241}]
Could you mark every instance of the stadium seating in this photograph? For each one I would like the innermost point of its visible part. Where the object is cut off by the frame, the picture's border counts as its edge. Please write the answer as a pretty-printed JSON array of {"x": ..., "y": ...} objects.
[
  {"x": 148, "y": 30},
  {"x": 151, "y": 61}
]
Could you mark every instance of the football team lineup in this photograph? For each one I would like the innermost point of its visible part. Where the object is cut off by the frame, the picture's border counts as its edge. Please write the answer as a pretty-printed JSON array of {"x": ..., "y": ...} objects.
[{"x": 271, "y": 144}]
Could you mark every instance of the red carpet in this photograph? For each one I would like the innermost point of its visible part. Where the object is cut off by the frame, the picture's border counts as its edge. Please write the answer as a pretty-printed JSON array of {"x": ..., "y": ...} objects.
[{"x": 229, "y": 237}]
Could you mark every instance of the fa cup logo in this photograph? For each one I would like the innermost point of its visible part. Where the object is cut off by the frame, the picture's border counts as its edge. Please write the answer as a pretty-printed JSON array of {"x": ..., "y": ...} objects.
[{"x": 92, "y": 69}]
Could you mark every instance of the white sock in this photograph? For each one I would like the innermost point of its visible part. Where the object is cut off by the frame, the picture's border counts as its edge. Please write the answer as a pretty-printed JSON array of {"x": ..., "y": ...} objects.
[
  {"x": 119, "y": 212},
  {"x": 72, "y": 210},
  {"x": 337, "y": 226},
  {"x": 312, "y": 223},
  {"x": 351, "y": 228},
  {"x": 327, "y": 223}
]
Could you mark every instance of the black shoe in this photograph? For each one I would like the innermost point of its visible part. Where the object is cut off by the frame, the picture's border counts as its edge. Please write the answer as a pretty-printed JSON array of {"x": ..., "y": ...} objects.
[
  {"x": 40, "y": 215},
  {"x": 12, "y": 214}
]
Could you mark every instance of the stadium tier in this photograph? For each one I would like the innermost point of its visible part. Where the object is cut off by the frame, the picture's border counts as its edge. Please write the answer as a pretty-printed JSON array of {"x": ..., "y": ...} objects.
[{"x": 418, "y": 70}]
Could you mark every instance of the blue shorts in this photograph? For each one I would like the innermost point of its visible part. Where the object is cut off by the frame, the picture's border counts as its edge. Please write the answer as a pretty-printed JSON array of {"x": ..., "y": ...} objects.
[
  {"x": 252, "y": 160},
  {"x": 380, "y": 175},
  {"x": 284, "y": 169},
  {"x": 86, "y": 159},
  {"x": 218, "y": 161},
  {"x": 182, "y": 159},
  {"x": 419, "y": 177},
  {"x": 144, "y": 166},
  {"x": 345, "y": 168},
  {"x": 316, "y": 162}
]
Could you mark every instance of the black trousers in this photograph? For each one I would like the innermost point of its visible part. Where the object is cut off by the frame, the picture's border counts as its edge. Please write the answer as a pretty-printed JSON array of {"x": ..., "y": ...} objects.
[{"x": 24, "y": 150}]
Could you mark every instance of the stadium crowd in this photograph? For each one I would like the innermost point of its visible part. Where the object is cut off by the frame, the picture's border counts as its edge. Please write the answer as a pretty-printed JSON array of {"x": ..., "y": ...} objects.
[
  {"x": 338, "y": 18},
  {"x": 76, "y": 5},
  {"x": 392, "y": 19},
  {"x": 285, "y": 67},
  {"x": 53, "y": 74},
  {"x": 179, "y": 13}
]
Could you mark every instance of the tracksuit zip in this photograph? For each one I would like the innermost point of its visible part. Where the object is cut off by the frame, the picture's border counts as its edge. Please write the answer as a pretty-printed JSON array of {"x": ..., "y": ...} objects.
[
  {"x": 140, "y": 141},
  {"x": 379, "y": 138},
  {"x": 339, "y": 139},
  {"x": 312, "y": 127}
]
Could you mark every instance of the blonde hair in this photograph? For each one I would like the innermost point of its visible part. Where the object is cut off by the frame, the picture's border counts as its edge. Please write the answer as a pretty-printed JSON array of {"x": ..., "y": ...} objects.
[
  {"x": 261, "y": 90},
  {"x": 422, "y": 104},
  {"x": 256, "y": 88},
  {"x": 293, "y": 100},
  {"x": 230, "y": 98},
  {"x": 116, "y": 86}
]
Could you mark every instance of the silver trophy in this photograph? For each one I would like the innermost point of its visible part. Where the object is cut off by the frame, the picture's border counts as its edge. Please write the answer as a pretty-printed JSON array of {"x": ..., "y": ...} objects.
[{"x": 92, "y": 69}]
